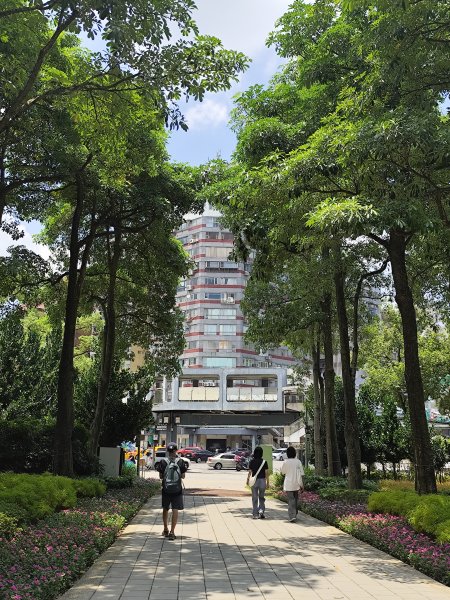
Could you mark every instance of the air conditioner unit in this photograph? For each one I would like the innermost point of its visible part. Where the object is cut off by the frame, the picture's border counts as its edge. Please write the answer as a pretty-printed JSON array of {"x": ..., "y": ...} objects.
[
  {"x": 246, "y": 272},
  {"x": 192, "y": 241},
  {"x": 229, "y": 300},
  {"x": 189, "y": 287}
]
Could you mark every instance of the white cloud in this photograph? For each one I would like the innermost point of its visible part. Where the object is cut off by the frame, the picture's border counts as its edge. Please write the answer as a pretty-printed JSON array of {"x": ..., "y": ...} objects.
[
  {"x": 27, "y": 241},
  {"x": 207, "y": 114}
]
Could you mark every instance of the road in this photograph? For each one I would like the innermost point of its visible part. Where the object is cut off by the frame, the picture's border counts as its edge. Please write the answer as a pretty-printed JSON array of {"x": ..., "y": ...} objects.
[{"x": 200, "y": 476}]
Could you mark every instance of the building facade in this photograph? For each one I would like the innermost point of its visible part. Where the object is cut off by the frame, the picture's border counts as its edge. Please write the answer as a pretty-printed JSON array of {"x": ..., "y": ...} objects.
[{"x": 229, "y": 394}]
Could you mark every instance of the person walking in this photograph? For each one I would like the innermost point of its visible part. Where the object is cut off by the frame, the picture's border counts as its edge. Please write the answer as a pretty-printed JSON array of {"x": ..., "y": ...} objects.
[
  {"x": 172, "y": 470},
  {"x": 259, "y": 469},
  {"x": 293, "y": 472}
]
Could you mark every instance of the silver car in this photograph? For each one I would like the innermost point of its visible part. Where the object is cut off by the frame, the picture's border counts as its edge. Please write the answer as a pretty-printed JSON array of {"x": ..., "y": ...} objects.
[{"x": 225, "y": 460}]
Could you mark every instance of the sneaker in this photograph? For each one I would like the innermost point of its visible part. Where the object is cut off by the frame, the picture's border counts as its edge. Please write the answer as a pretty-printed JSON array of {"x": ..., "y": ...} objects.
[
  {"x": 262, "y": 515},
  {"x": 255, "y": 516},
  {"x": 292, "y": 520},
  {"x": 165, "y": 532},
  {"x": 171, "y": 536}
]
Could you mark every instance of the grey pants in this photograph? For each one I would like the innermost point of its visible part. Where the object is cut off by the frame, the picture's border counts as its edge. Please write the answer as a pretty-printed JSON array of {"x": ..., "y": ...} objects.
[
  {"x": 258, "y": 499},
  {"x": 292, "y": 504}
]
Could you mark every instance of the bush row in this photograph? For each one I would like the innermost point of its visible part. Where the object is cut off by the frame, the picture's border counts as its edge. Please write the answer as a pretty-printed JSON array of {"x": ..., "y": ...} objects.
[
  {"x": 428, "y": 513},
  {"x": 26, "y": 498},
  {"x": 26, "y": 446},
  {"x": 390, "y": 533},
  {"x": 42, "y": 560}
]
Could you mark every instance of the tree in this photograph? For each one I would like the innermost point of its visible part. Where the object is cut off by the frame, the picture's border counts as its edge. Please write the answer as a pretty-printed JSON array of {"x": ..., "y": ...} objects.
[
  {"x": 138, "y": 52},
  {"x": 127, "y": 409},
  {"x": 394, "y": 437},
  {"x": 369, "y": 427},
  {"x": 363, "y": 164},
  {"x": 143, "y": 265},
  {"x": 27, "y": 367}
]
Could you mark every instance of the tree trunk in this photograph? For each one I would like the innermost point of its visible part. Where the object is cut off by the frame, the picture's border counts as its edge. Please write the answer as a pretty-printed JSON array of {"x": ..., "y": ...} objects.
[
  {"x": 108, "y": 346},
  {"x": 351, "y": 417},
  {"x": 426, "y": 480},
  {"x": 318, "y": 416},
  {"x": 333, "y": 460},
  {"x": 322, "y": 407},
  {"x": 63, "y": 460}
]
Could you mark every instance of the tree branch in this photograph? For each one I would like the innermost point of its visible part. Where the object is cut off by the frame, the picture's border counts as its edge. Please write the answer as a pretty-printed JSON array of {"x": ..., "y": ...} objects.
[{"x": 16, "y": 106}]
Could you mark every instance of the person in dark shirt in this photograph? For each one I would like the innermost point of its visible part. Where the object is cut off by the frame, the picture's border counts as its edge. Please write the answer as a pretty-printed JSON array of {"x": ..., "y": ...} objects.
[
  {"x": 171, "y": 500},
  {"x": 258, "y": 467}
]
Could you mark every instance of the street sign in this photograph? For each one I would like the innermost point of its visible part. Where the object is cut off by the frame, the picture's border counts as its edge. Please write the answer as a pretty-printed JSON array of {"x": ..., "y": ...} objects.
[{"x": 161, "y": 427}]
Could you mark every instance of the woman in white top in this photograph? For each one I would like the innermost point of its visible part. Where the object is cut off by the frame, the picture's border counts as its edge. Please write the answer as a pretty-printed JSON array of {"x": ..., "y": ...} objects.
[{"x": 292, "y": 470}]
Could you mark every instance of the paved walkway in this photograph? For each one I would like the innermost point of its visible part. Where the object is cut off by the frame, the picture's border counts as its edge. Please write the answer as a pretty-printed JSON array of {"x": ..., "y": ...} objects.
[{"x": 222, "y": 554}]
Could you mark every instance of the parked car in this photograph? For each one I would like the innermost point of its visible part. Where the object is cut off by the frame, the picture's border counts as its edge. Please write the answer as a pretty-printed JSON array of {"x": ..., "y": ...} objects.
[
  {"x": 161, "y": 454},
  {"x": 279, "y": 454},
  {"x": 188, "y": 451},
  {"x": 226, "y": 460},
  {"x": 199, "y": 456}
]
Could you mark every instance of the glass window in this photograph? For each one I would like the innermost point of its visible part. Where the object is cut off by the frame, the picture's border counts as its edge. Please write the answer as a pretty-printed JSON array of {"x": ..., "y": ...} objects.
[
  {"x": 220, "y": 313},
  {"x": 227, "y": 329},
  {"x": 210, "y": 345},
  {"x": 219, "y": 362},
  {"x": 212, "y": 296},
  {"x": 218, "y": 251},
  {"x": 210, "y": 329}
]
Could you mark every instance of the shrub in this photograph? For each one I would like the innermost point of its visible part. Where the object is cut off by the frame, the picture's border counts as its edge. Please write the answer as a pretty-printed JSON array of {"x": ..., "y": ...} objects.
[
  {"x": 314, "y": 482},
  {"x": 37, "y": 495},
  {"x": 394, "y": 503},
  {"x": 89, "y": 487},
  {"x": 443, "y": 532},
  {"x": 399, "y": 485},
  {"x": 129, "y": 471},
  {"x": 344, "y": 495},
  {"x": 8, "y": 525},
  {"x": 430, "y": 512},
  {"x": 26, "y": 446},
  {"x": 277, "y": 480},
  {"x": 115, "y": 483},
  {"x": 373, "y": 486},
  {"x": 444, "y": 487}
]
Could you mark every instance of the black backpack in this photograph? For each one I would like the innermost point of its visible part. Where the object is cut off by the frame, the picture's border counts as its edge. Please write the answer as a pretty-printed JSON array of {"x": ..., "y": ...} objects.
[{"x": 172, "y": 477}]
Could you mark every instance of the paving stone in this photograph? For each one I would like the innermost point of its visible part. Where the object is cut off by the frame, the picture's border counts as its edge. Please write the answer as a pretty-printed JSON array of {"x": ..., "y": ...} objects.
[{"x": 222, "y": 555}]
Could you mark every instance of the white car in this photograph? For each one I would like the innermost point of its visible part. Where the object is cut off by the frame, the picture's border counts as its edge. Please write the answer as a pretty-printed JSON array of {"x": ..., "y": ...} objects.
[
  {"x": 226, "y": 460},
  {"x": 162, "y": 454},
  {"x": 279, "y": 454}
]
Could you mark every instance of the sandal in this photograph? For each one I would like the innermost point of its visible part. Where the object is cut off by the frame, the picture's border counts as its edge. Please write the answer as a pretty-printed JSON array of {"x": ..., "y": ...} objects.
[
  {"x": 165, "y": 532},
  {"x": 171, "y": 536}
]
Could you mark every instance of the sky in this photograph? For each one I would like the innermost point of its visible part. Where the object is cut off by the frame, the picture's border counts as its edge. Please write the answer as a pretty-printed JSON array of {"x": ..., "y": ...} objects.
[{"x": 241, "y": 25}]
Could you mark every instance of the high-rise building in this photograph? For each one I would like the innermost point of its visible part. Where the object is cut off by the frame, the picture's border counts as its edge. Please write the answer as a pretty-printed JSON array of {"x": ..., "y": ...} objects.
[{"x": 229, "y": 394}]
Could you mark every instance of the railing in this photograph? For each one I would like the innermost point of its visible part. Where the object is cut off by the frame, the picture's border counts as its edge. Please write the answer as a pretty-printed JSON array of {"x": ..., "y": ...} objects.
[
  {"x": 198, "y": 394},
  {"x": 252, "y": 394}
]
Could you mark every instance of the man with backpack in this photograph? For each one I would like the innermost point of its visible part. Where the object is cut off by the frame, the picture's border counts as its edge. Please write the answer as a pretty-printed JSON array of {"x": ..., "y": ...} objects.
[{"x": 171, "y": 472}]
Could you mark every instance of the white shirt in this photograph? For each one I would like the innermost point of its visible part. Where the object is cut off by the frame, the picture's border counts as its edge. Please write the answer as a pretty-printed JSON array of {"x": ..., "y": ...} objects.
[{"x": 292, "y": 468}]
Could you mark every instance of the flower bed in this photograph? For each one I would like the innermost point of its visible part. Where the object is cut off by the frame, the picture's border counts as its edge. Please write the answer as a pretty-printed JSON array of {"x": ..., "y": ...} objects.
[
  {"x": 41, "y": 561},
  {"x": 389, "y": 533}
]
